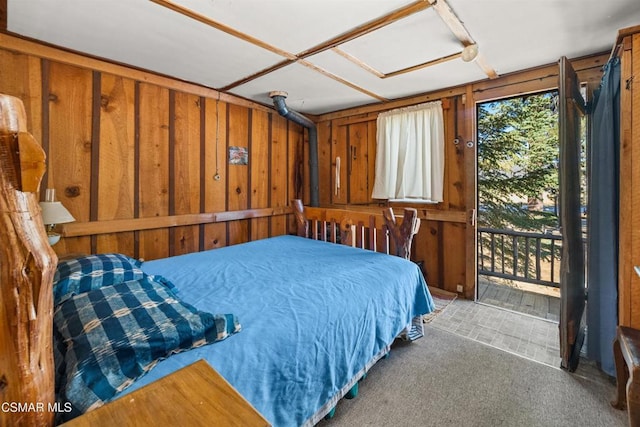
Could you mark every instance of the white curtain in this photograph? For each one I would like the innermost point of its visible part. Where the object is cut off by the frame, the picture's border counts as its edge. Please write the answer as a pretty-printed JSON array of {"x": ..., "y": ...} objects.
[{"x": 410, "y": 153}]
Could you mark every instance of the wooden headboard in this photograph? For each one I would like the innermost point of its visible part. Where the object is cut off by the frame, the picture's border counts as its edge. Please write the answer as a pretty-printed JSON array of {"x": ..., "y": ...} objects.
[
  {"x": 376, "y": 232},
  {"x": 27, "y": 266}
]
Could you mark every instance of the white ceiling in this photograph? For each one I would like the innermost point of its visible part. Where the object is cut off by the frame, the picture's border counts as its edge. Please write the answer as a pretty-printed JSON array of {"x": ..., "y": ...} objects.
[{"x": 241, "y": 38}]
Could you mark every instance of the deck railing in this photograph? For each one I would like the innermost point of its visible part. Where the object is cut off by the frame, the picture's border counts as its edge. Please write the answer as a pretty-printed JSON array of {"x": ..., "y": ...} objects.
[{"x": 520, "y": 256}]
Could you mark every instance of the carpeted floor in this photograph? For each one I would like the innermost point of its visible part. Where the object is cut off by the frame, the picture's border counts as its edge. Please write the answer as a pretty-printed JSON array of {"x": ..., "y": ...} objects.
[{"x": 447, "y": 380}]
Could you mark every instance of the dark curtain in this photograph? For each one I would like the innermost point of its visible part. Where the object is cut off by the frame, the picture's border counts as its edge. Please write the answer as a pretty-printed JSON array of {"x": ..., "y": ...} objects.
[{"x": 602, "y": 243}]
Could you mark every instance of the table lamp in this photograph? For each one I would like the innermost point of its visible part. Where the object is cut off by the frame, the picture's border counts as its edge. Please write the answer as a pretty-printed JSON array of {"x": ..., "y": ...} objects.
[{"x": 53, "y": 213}]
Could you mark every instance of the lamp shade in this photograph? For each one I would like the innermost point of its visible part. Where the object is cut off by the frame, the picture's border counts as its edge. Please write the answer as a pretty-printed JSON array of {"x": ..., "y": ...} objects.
[{"x": 55, "y": 213}]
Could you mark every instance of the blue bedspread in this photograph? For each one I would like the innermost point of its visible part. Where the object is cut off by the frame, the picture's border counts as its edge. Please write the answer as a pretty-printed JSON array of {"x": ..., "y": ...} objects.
[{"x": 313, "y": 315}]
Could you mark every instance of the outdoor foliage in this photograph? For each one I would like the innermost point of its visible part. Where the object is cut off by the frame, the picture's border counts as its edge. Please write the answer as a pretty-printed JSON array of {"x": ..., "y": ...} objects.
[{"x": 517, "y": 161}]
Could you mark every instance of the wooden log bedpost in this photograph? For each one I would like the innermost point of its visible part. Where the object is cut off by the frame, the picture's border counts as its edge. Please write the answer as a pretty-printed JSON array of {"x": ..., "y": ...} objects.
[
  {"x": 27, "y": 266},
  {"x": 402, "y": 234},
  {"x": 301, "y": 218}
]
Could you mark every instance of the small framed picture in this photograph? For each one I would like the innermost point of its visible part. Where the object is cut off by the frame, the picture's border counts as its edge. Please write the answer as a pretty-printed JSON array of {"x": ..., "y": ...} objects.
[{"x": 238, "y": 155}]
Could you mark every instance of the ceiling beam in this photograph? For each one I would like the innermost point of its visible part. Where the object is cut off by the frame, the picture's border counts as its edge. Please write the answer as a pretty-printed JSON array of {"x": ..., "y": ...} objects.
[
  {"x": 451, "y": 20},
  {"x": 485, "y": 67},
  {"x": 367, "y": 28},
  {"x": 360, "y": 63},
  {"x": 341, "y": 80},
  {"x": 359, "y": 31},
  {"x": 457, "y": 28},
  {"x": 222, "y": 27},
  {"x": 382, "y": 75},
  {"x": 257, "y": 75},
  {"x": 424, "y": 65},
  {"x": 441, "y": 7}
]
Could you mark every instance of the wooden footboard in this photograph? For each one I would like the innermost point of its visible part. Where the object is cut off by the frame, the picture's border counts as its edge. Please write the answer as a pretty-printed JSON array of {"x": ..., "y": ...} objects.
[
  {"x": 377, "y": 232},
  {"x": 27, "y": 265}
]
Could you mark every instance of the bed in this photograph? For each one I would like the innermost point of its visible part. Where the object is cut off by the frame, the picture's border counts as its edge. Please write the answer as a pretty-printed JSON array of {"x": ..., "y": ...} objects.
[
  {"x": 293, "y": 323},
  {"x": 315, "y": 316}
]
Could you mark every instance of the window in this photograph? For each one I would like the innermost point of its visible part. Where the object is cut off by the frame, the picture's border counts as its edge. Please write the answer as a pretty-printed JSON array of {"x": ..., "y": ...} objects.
[{"x": 410, "y": 154}]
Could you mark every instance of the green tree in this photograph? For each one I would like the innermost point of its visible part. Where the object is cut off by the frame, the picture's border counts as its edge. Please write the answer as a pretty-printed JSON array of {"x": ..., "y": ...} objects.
[{"x": 517, "y": 160}]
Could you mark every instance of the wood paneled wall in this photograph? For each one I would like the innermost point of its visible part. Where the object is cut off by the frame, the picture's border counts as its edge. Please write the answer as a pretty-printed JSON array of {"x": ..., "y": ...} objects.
[
  {"x": 629, "y": 227},
  {"x": 353, "y": 139},
  {"x": 124, "y": 146},
  {"x": 446, "y": 241},
  {"x": 133, "y": 155}
]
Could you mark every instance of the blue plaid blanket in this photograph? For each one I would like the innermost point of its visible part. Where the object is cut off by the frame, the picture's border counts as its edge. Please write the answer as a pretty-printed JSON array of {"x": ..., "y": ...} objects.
[
  {"x": 108, "y": 337},
  {"x": 82, "y": 274}
]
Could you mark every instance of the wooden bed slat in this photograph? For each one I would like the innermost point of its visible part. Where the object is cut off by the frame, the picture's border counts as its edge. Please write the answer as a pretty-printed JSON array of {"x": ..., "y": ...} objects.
[{"x": 376, "y": 232}]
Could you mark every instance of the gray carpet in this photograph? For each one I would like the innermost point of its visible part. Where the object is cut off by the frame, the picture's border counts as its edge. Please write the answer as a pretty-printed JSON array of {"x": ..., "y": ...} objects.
[{"x": 444, "y": 379}]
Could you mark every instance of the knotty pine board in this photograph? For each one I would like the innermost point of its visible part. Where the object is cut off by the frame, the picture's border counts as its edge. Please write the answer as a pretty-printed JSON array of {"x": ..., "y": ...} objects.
[
  {"x": 339, "y": 149},
  {"x": 238, "y": 175},
  {"x": 296, "y": 137},
  {"x": 357, "y": 159},
  {"x": 259, "y": 152},
  {"x": 153, "y": 167},
  {"x": 185, "y": 146},
  {"x": 279, "y": 168},
  {"x": 69, "y": 157},
  {"x": 215, "y": 235},
  {"x": 115, "y": 174},
  {"x": 20, "y": 76},
  {"x": 326, "y": 163}
]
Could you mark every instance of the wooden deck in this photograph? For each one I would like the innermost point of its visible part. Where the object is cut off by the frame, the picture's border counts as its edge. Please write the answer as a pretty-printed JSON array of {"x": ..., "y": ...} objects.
[{"x": 534, "y": 300}]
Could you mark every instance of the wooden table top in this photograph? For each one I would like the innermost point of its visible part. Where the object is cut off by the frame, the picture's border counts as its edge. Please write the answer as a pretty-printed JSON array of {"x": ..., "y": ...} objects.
[{"x": 195, "y": 396}]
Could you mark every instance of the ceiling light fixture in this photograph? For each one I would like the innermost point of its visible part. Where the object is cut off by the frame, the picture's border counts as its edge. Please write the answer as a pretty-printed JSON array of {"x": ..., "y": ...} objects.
[{"x": 470, "y": 52}]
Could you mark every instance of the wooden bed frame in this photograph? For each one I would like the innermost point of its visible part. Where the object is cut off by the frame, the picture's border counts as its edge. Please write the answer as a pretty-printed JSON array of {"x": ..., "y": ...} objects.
[
  {"x": 376, "y": 232},
  {"x": 27, "y": 266},
  {"x": 28, "y": 263}
]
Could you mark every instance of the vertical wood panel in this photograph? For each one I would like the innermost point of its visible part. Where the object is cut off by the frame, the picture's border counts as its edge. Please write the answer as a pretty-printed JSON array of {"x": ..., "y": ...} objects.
[
  {"x": 186, "y": 169},
  {"x": 154, "y": 167},
  {"x": 259, "y": 172},
  {"x": 454, "y": 261},
  {"x": 3, "y": 15},
  {"x": 278, "y": 171},
  {"x": 305, "y": 167},
  {"x": 20, "y": 76},
  {"x": 325, "y": 162},
  {"x": 70, "y": 106},
  {"x": 632, "y": 89},
  {"x": 468, "y": 242},
  {"x": 215, "y": 235},
  {"x": 626, "y": 187},
  {"x": 238, "y": 175},
  {"x": 295, "y": 142},
  {"x": 95, "y": 152},
  {"x": 339, "y": 149},
  {"x": 295, "y": 161},
  {"x": 116, "y": 167},
  {"x": 454, "y": 160},
  {"x": 427, "y": 249},
  {"x": 372, "y": 130},
  {"x": 359, "y": 168}
]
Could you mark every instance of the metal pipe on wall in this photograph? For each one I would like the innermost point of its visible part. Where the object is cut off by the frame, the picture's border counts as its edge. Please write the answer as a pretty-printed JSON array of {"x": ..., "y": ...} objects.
[{"x": 281, "y": 107}]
